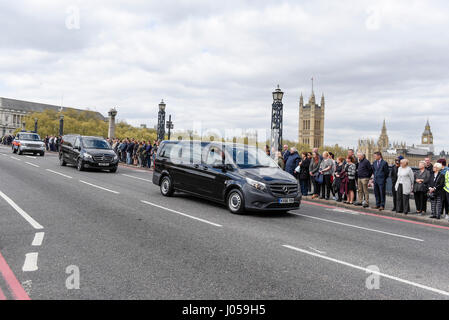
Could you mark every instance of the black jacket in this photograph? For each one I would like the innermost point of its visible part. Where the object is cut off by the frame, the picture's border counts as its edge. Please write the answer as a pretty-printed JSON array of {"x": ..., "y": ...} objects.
[
  {"x": 394, "y": 175},
  {"x": 130, "y": 147},
  {"x": 437, "y": 183},
  {"x": 304, "y": 173},
  {"x": 365, "y": 169}
]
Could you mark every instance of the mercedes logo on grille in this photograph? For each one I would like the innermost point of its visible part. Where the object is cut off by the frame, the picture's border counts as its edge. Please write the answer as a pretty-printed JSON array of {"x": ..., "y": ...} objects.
[{"x": 285, "y": 189}]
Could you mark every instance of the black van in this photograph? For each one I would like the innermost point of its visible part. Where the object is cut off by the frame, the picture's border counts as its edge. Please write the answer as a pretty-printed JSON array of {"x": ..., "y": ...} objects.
[
  {"x": 87, "y": 152},
  {"x": 240, "y": 176}
]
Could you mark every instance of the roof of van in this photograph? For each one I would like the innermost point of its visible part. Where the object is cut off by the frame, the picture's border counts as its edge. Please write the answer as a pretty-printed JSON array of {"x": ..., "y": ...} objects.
[{"x": 204, "y": 143}]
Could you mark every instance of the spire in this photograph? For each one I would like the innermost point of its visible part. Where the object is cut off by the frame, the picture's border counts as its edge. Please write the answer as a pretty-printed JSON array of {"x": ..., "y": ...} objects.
[
  {"x": 384, "y": 127},
  {"x": 312, "y": 97},
  {"x": 322, "y": 100},
  {"x": 301, "y": 100}
]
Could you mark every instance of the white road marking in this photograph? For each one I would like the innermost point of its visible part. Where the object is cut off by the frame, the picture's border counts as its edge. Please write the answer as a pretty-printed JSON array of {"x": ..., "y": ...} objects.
[
  {"x": 16, "y": 158},
  {"x": 182, "y": 214},
  {"x": 344, "y": 211},
  {"x": 366, "y": 270},
  {"x": 316, "y": 250},
  {"x": 61, "y": 174},
  {"x": 127, "y": 175},
  {"x": 32, "y": 164},
  {"x": 30, "y": 263},
  {"x": 25, "y": 215},
  {"x": 358, "y": 227},
  {"x": 38, "y": 238},
  {"x": 31, "y": 157},
  {"x": 93, "y": 185}
]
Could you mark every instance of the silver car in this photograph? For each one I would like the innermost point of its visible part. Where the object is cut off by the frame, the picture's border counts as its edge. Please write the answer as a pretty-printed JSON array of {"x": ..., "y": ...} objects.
[{"x": 28, "y": 142}]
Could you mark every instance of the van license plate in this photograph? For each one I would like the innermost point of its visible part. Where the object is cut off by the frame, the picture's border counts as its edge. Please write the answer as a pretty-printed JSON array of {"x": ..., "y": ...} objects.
[
  {"x": 286, "y": 200},
  {"x": 103, "y": 164}
]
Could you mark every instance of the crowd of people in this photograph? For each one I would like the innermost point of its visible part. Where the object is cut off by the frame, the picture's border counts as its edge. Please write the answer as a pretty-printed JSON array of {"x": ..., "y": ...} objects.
[
  {"x": 134, "y": 152},
  {"x": 7, "y": 139},
  {"x": 348, "y": 179}
]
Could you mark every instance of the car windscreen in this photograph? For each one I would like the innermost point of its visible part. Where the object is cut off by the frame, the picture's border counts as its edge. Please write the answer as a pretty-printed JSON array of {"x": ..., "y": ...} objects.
[
  {"x": 251, "y": 157},
  {"x": 92, "y": 143},
  {"x": 31, "y": 137}
]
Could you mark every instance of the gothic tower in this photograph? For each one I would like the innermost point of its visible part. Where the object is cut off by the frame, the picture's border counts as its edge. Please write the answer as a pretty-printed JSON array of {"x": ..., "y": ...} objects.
[
  {"x": 383, "y": 142},
  {"x": 427, "y": 136},
  {"x": 311, "y": 122}
]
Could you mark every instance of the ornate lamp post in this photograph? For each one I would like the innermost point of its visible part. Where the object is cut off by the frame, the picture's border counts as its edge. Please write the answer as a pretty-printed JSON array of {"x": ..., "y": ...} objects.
[
  {"x": 61, "y": 125},
  {"x": 170, "y": 126},
  {"x": 276, "y": 119},
  {"x": 35, "y": 124},
  {"x": 161, "y": 121}
]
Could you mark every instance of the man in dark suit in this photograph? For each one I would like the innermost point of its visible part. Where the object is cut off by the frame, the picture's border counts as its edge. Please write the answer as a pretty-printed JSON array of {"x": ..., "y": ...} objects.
[
  {"x": 381, "y": 172},
  {"x": 394, "y": 178}
]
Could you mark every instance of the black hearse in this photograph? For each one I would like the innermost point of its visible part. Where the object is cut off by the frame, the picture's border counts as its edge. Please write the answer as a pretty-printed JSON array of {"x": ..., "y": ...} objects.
[
  {"x": 240, "y": 176},
  {"x": 87, "y": 152}
]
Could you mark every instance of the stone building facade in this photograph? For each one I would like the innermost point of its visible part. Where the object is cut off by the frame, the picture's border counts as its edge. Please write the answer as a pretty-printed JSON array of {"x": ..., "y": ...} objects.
[
  {"x": 391, "y": 151},
  {"x": 311, "y": 122},
  {"x": 13, "y": 113}
]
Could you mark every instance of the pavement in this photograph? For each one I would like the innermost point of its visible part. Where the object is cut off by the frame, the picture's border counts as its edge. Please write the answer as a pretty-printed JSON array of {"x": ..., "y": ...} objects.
[{"x": 129, "y": 242}]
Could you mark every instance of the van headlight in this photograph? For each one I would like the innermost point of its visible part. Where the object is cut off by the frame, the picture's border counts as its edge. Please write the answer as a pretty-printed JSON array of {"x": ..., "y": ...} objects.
[
  {"x": 256, "y": 184},
  {"x": 87, "y": 156}
]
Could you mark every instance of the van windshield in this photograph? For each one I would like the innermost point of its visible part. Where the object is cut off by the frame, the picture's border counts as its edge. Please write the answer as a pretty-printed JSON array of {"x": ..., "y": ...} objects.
[
  {"x": 92, "y": 143},
  {"x": 251, "y": 157}
]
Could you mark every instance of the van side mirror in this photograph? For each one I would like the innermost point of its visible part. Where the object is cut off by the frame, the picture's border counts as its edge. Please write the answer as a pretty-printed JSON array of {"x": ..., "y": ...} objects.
[{"x": 220, "y": 166}]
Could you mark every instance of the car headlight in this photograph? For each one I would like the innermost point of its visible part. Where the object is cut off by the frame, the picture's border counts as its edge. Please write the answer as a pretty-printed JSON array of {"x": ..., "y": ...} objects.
[
  {"x": 87, "y": 156},
  {"x": 115, "y": 157},
  {"x": 256, "y": 184}
]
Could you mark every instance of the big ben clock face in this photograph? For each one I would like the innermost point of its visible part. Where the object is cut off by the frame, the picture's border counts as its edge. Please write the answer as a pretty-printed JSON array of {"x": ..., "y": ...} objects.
[{"x": 425, "y": 139}]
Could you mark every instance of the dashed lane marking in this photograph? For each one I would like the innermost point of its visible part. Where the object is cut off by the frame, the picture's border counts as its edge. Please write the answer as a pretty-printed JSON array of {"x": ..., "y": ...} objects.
[
  {"x": 357, "y": 227},
  {"x": 32, "y": 164},
  {"x": 182, "y": 214},
  {"x": 102, "y": 188},
  {"x": 30, "y": 263},
  {"x": 366, "y": 270},
  {"x": 59, "y": 173},
  {"x": 38, "y": 238},
  {"x": 138, "y": 178}
]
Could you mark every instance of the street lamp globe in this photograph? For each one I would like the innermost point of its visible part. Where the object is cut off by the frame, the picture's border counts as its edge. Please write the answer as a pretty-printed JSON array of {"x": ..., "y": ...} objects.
[
  {"x": 278, "y": 94},
  {"x": 162, "y": 106}
]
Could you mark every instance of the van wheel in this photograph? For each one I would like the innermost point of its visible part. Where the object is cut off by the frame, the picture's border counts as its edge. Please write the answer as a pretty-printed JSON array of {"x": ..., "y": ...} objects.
[
  {"x": 236, "y": 202},
  {"x": 79, "y": 165},
  {"x": 167, "y": 186}
]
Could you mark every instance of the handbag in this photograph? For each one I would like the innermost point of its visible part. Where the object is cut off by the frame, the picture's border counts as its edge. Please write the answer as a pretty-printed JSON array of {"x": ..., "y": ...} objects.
[{"x": 319, "y": 178}]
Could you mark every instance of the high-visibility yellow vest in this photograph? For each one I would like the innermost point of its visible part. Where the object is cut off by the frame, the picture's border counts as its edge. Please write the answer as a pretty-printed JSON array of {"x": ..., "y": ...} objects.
[{"x": 446, "y": 185}]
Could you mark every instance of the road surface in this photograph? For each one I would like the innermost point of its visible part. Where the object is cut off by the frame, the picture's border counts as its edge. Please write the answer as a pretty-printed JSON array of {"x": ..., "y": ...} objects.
[{"x": 129, "y": 242}]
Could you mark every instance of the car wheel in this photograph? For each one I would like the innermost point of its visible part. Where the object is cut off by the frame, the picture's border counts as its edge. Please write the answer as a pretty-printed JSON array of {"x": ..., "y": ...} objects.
[
  {"x": 114, "y": 170},
  {"x": 236, "y": 202},
  {"x": 13, "y": 150},
  {"x": 19, "y": 152},
  {"x": 80, "y": 165},
  {"x": 167, "y": 186},
  {"x": 42, "y": 154},
  {"x": 61, "y": 160}
]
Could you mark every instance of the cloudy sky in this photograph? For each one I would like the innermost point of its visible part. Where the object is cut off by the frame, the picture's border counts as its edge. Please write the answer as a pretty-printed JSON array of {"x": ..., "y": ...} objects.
[{"x": 218, "y": 61}]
